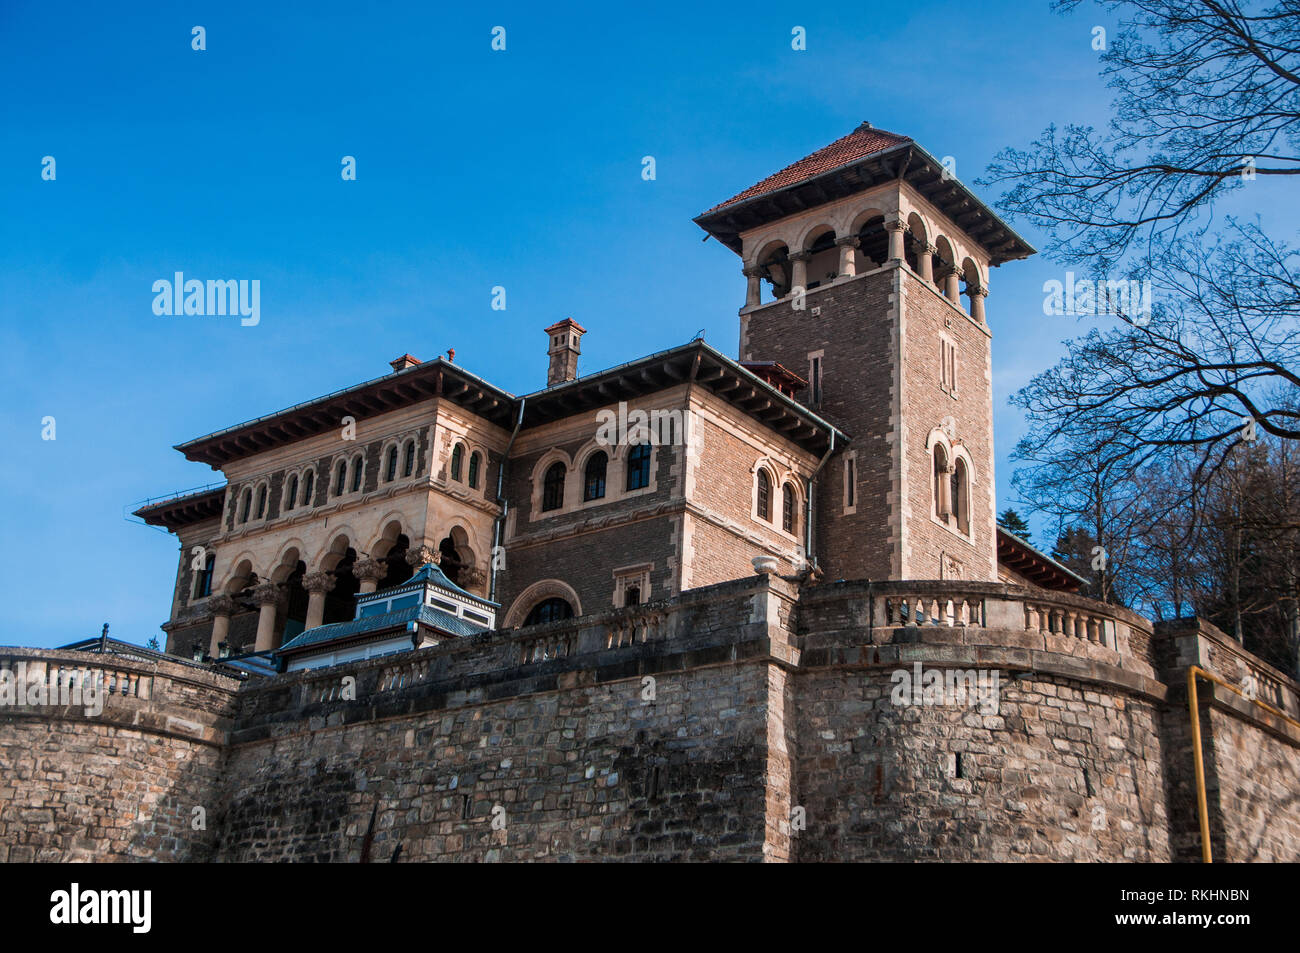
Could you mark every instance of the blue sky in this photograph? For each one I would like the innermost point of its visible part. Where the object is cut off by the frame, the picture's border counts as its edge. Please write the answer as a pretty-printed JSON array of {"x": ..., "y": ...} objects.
[{"x": 474, "y": 169}]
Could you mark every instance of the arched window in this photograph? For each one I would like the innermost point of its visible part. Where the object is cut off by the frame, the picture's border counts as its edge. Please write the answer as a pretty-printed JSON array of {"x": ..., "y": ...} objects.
[
  {"x": 203, "y": 578},
  {"x": 308, "y": 484},
  {"x": 961, "y": 497},
  {"x": 356, "y": 473},
  {"x": 292, "y": 494},
  {"x": 550, "y": 610},
  {"x": 940, "y": 482},
  {"x": 457, "y": 455},
  {"x": 787, "y": 508},
  {"x": 638, "y": 467},
  {"x": 593, "y": 484},
  {"x": 408, "y": 459},
  {"x": 473, "y": 469},
  {"x": 764, "y": 495},
  {"x": 341, "y": 478},
  {"x": 390, "y": 470},
  {"x": 245, "y": 504},
  {"x": 261, "y": 501},
  {"x": 553, "y": 487}
]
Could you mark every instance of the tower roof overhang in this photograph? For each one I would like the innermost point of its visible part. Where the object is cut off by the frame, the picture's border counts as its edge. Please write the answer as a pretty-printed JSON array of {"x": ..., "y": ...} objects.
[{"x": 860, "y": 161}]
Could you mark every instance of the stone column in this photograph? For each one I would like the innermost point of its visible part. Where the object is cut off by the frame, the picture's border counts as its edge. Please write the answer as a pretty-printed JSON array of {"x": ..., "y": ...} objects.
[
  {"x": 268, "y": 597},
  {"x": 317, "y": 585},
  {"x": 222, "y": 608},
  {"x": 370, "y": 572},
  {"x": 977, "y": 295},
  {"x": 800, "y": 280},
  {"x": 848, "y": 255},
  {"x": 945, "y": 492},
  {"x": 948, "y": 274},
  {"x": 925, "y": 258},
  {"x": 420, "y": 556},
  {"x": 897, "y": 229},
  {"x": 753, "y": 290}
]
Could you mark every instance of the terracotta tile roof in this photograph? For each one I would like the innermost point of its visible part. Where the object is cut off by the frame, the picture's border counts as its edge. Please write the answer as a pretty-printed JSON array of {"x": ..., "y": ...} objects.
[{"x": 858, "y": 144}]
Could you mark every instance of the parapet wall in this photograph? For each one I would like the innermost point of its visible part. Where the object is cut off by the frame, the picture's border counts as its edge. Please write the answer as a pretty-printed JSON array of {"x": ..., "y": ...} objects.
[{"x": 749, "y": 721}]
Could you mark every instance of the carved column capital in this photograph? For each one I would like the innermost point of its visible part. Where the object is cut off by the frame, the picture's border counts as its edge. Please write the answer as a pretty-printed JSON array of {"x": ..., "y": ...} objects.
[
  {"x": 753, "y": 271},
  {"x": 931, "y": 249},
  {"x": 421, "y": 556},
  {"x": 977, "y": 290},
  {"x": 268, "y": 593},
  {"x": 945, "y": 269},
  {"x": 372, "y": 569},
  {"x": 222, "y": 605},
  {"x": 800, "y": 256},
  {"x": 852, "y": 241},
  {"x": 318, "y": 581},
  {"x": 471, "y": 577},
  {"x": 895, "y": 225}
]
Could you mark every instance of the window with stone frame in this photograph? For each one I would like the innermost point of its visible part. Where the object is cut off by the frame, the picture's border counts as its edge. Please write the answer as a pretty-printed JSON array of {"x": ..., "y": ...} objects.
[
  {"x": 638, "y": 467},
  {"x": 632, "y": 585},
  {"x": 789, "y": 505},
  {"x": 593, "y": 483},
  {"x": 553, "y": 487},
  {"x": 763, "y": 504}
]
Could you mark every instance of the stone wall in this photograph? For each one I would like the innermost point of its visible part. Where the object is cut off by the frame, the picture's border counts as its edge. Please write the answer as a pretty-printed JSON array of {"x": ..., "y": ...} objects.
[
  {"x": 748, "y": 720},
  {"x": 120, "y": 785}
]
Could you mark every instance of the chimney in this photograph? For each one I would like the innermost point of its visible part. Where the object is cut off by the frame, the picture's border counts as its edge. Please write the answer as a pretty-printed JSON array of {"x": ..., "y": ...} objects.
[
  {"x": 564, "y": 347},
  {"x": 403, "y": 362}
]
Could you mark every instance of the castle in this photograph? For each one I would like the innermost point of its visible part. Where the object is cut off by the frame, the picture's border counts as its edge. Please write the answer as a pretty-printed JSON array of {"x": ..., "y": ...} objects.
[{"x": 688, "y": 607}]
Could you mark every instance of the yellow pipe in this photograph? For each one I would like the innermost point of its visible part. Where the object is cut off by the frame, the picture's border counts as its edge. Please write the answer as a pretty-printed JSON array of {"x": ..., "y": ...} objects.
[{"x": 1202, "y": 809}]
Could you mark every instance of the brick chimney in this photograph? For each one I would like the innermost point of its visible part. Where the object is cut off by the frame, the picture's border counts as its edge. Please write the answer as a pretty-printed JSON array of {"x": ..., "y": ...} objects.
[
  {"x": 403, "y": 362},
  {"x": 565, "y": 339}
]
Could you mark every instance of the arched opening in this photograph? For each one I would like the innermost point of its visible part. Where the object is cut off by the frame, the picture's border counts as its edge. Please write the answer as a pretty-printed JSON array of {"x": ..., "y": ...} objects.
[
  {"x": 774, "y": 269},
  {"x": 961, "y": 497},
  {"x": 357, "y": 466},
  {"x": 295, "y": 607},
  {"x": 291, "y": 494},
  {"x": 241, "y": 579},
  {"x": 340, "y": 602},
  {"x": 873, "y": 243},
  {"x": 261, "y": 501},
  {"x": 593, "y": 484},
  {"x": 940, "y": 482},
  {"x": 475, "y": 461},
  {"x": 788, "y": 508},
  {"x": 553, "y": 487},
  {"x": 408, "y": 458},
  {"x": 341, "y": 478},
  {"x": 764, "y": 495},
  {"x": 457, "y": 458},
  {"x": 554, "y": 609},
  {"x": 396, "y": 569},
  {"x": 824, "y": 264},
  {"x": 638, "y": 467},
  {"x": 390, "y": 465},
  {"x": 451, "y": 563},
  {"x": 308, "y": 485},
  {"x": 245, "y": 505},
  {"x": 972, "y": 285},
  {"x": 945, "y": 269},
  {"x": 915, "y": 243}
]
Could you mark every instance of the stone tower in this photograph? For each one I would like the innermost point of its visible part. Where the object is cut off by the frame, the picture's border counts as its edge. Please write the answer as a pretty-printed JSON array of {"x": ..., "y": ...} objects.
[{"x": 867, "y": 265}]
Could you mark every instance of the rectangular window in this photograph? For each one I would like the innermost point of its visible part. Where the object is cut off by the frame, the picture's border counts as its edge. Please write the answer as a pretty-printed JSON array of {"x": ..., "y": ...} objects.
[
  {"x": 850, "y": 481},
  {"x": 947, "y": 366},
  {"x": 815, "y": 378}
]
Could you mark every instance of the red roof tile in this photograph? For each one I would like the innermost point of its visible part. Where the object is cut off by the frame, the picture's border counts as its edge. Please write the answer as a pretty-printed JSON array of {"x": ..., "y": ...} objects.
[{"x": 858, "y": 144}]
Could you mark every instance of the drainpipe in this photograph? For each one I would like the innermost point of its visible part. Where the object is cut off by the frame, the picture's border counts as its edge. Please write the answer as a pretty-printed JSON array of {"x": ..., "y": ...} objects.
[
  {"x": 501, "y": 501},
  {"x": 808, "y": 516},
  {"x": 1198, "y": 759}
]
